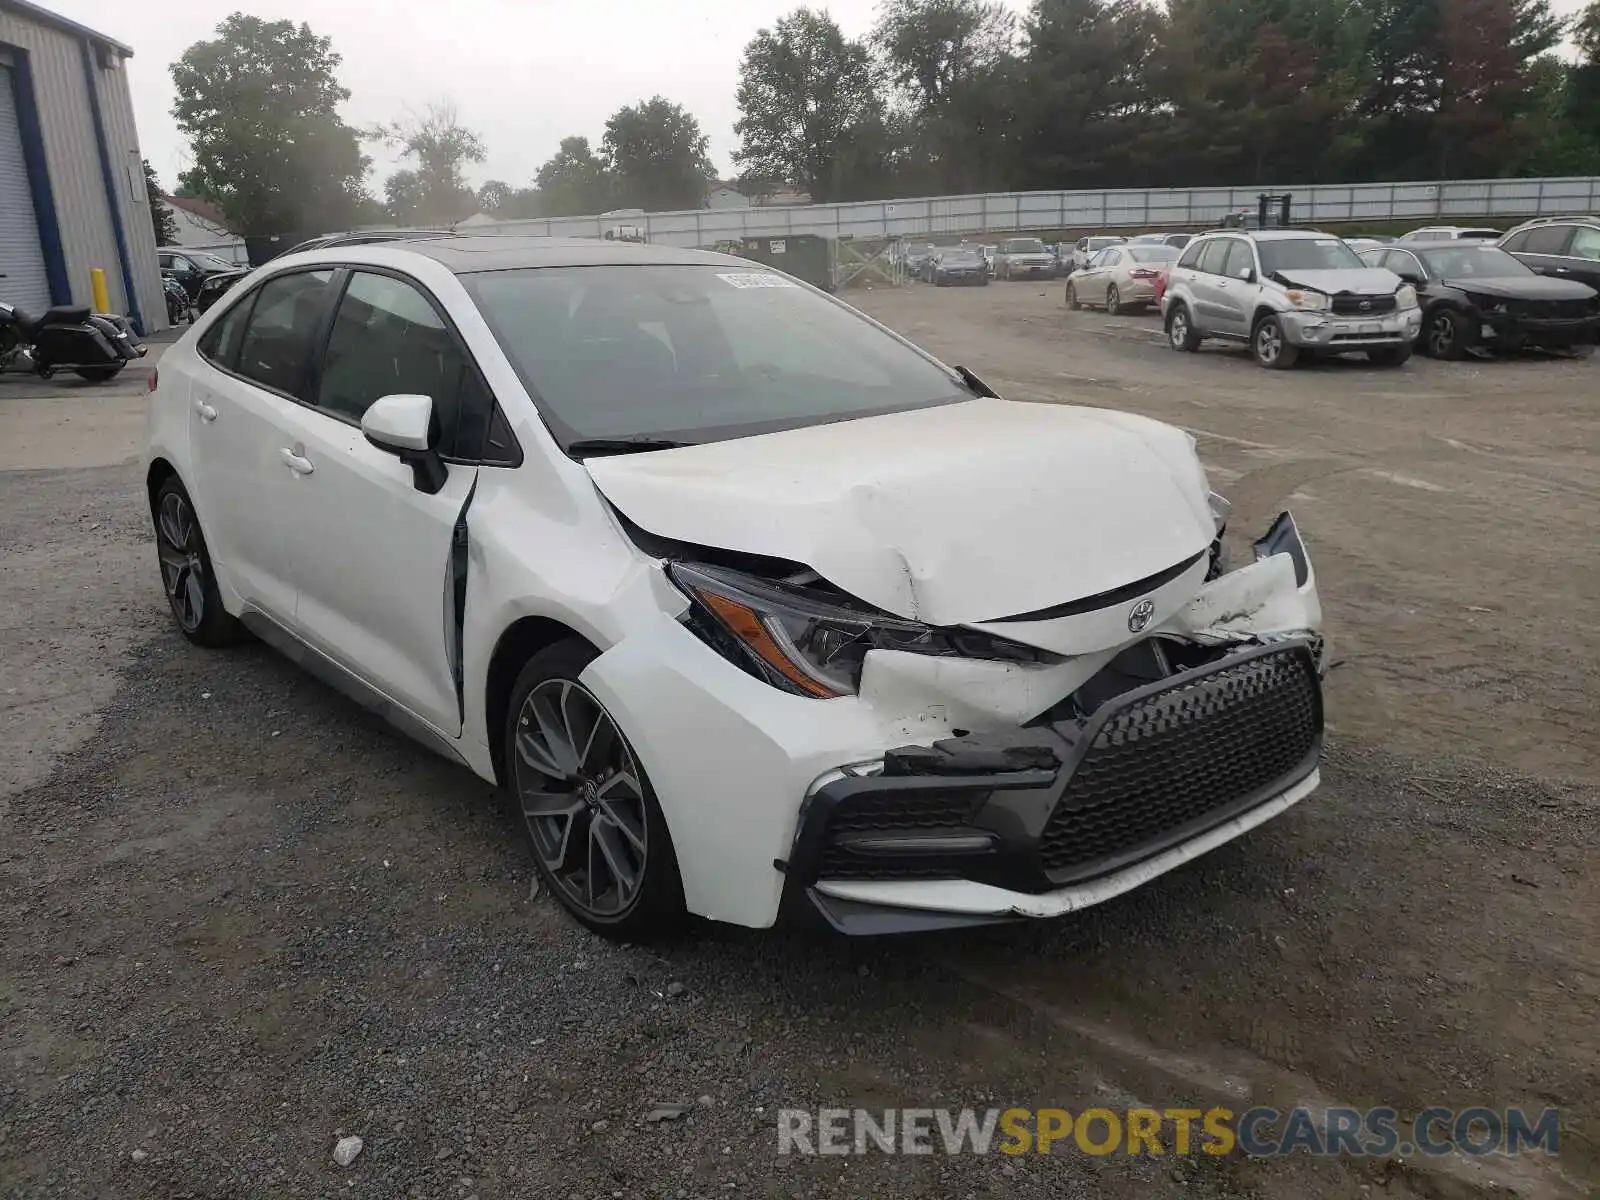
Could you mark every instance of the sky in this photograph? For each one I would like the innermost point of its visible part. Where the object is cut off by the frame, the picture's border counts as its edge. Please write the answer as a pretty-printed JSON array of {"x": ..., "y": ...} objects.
[{"x": 523, "y": 74}]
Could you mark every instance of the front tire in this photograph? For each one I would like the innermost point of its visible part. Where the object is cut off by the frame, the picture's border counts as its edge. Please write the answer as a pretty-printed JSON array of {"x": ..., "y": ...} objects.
[
  {"x": 1444, "y": 335},
  {"x": 186, "y": 573},
  {"x": 99, "y": 374},
  {"x": 1072, "y": 298},
  {"x": 599, "y": 840},
  {"x": 1181, "y": 333},
  {"x": 1270, "y": 347}
]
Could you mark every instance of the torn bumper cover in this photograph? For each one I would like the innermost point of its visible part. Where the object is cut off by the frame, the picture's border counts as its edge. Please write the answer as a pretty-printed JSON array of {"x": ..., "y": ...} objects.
[{"x": 1114, "y": 785}]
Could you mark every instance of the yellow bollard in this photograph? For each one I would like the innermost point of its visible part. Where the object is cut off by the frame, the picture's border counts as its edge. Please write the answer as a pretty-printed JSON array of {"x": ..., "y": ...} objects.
[{"x": 97, "y": 281}]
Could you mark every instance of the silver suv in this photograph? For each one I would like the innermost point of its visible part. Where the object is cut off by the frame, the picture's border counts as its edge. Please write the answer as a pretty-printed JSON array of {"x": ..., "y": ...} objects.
[{"x": 1286, "y": 293}]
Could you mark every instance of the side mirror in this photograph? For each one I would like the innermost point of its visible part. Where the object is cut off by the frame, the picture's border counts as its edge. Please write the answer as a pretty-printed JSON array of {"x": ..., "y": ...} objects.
[
  {"x": 402, "y": 425},
  {"x": 1247, "y": 274}
]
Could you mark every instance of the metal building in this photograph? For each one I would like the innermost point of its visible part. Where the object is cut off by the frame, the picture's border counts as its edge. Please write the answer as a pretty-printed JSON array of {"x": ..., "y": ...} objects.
[{"x": 72, "y": 189}]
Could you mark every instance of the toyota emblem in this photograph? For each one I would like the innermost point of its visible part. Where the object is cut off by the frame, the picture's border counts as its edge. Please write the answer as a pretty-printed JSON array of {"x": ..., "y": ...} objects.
[
  {"x": 1140, "y": 616},
  {"x": 1366, "y": 305}
]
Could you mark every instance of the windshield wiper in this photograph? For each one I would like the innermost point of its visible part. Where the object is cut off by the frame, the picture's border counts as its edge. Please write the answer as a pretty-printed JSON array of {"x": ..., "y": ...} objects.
[
  {"x": 589, "y": 447},
  {"x": 978, "y": 386}
]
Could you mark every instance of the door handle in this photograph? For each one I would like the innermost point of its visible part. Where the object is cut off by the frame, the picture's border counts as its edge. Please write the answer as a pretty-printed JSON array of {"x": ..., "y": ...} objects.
[
  {"x": 207, "y": 413},
  {"x": 1563, "y": 270},
  {"x": 298, "y": 463}
]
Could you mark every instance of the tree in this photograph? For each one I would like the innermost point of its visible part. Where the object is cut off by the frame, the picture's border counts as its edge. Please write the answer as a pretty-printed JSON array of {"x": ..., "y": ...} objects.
[
  {"x": 440, "y": 146},
  {"x": 932, "y": 45},
  {"x": 656, "y": 156},
  {"x": 260, "y": 105},
  {"x": 808, "y": 107},
  {"x": 161, "y": 218},
  {"x": 574, "y": 181},
  {"x": 500, "y": 199}
]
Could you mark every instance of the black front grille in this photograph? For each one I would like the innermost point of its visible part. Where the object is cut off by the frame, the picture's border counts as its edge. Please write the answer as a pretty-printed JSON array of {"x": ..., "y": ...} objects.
[
  {"x": 1363, "y": 306},
  {"x": 1557, "y": 310},
  {"x": 1170, "y": 763}
]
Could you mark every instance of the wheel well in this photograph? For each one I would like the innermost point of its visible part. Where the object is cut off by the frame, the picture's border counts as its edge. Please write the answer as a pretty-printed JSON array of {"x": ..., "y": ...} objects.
[
  {"x": 520, "y": 642},
  {"x": 1262, "y": 310},
  {"x": 160, "y": 471}
]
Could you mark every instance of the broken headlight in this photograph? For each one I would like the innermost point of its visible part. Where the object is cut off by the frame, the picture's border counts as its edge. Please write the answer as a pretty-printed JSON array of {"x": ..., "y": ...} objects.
[{"x": 808, "y": 641}]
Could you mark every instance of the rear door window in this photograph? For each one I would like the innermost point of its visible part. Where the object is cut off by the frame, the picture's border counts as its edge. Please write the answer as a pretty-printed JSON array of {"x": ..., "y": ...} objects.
[
  {"x": 1547, "y": 239},
  {"x": 1191, "y": 255},
  {"x": 276, "y": 348},
  {"x": 1215, "y": 254}
]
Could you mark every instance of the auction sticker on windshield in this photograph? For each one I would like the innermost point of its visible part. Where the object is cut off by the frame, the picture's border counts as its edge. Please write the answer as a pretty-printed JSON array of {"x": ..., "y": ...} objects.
[{"x": 754, "y": 279}]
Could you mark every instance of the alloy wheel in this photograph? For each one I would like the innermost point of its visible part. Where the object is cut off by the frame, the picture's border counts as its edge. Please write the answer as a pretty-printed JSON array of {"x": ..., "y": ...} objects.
[
  {"x": 182, "y": 561},
  {"x": 582, "y": 795},
  {"x": 1113, "y": 299},
  {"x": 1178, "y": 329},
  {"x": 1441, "y": 335},
  {"x": 1269, "y": 343}
]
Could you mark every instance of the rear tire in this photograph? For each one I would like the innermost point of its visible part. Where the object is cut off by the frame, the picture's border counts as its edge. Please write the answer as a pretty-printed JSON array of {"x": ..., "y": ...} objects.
[
  {"x": 572, "y": 775},
  {"x": 186, "y": 573},
  {"x": 1270, "y": 347},
  {"x": 1181, "y": 333},
  {"x": 1113, "y": 300}
]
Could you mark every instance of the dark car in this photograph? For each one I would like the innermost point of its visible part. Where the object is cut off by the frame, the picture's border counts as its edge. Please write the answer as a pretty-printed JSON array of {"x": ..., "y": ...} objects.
[
  {"x": 961, "y": 265},
  {"x": 215, "y": 286},
  {"x": 1561, "y": 247},
  {"x": 1477, "y": 297},
  {"x": 192, "y": 268}
]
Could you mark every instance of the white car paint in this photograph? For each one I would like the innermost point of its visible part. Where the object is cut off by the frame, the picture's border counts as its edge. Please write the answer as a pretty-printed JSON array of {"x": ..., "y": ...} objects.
[{"x": 964, "y": 514}]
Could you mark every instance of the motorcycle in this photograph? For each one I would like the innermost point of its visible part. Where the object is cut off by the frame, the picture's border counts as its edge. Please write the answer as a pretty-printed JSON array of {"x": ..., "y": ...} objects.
[
  {"x": 178, "y": 303},
  {"x": 68, "y": 337}
]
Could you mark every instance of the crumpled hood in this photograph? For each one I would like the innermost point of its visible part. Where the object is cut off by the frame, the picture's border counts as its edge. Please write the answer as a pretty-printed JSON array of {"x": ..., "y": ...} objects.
[
  {"x": 1522, "y": 287},
  {"x": 952, "y": 515},
  {"x": 1362, "y": 281}
]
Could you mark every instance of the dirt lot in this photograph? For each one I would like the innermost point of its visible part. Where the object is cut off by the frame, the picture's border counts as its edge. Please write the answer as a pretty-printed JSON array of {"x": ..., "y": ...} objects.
[{"x": 243, "y": 917}]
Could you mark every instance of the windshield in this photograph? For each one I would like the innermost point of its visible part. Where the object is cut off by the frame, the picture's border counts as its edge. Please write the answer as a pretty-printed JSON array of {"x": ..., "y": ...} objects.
[
  {"x": 1307, "y": 254},
  {"x": 1153, "y": 253},
  {"x": 212, "y": 262},
  {"x": 960, "y": 255},
  {"x": 1024, "y": 246},
  {"x": 695, "y": 353},
  {"x": 1461, "y": 262},
  {"x": 1103, "y": 242}
]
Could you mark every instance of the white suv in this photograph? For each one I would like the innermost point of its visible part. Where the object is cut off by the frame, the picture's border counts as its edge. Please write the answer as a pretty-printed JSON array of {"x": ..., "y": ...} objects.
[
  {"x": 1286, "y": 293},
  {"x": 749, "y": 604}
]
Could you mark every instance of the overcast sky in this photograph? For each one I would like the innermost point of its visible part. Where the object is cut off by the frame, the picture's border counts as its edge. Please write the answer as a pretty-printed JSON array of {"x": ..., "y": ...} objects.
[{"x": 522, "y": 73}]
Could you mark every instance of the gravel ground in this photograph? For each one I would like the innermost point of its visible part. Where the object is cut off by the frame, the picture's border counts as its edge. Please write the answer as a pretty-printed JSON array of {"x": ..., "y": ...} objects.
[{"x": 248, "y": 920}]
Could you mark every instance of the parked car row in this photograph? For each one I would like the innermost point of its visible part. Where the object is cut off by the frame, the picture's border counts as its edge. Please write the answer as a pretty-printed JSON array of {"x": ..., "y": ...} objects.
[{"x": 1290, "y": 294}]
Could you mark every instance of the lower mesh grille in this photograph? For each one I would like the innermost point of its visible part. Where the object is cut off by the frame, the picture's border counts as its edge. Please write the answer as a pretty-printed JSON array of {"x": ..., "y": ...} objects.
[
  {"x": 1179, "y": 756},
  {"x": 912, "y": 812}
]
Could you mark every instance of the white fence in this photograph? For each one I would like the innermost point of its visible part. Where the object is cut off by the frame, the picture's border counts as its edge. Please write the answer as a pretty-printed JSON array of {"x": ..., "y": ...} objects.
[{"x": 1003, "y": 212}]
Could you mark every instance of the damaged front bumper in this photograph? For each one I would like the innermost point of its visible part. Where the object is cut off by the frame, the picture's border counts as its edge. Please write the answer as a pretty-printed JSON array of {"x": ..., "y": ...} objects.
[
  {"x": 1070, "y": 813},
  {"x": 1324, "y": 330}
]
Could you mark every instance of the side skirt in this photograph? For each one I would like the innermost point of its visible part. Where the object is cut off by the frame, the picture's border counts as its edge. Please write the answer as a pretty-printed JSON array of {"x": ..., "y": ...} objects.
[{"x": 336, "y": 676}]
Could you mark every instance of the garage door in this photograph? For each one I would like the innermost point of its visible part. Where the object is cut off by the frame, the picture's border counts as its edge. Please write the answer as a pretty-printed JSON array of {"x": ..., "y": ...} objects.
[{"x": 21, "y": 260}]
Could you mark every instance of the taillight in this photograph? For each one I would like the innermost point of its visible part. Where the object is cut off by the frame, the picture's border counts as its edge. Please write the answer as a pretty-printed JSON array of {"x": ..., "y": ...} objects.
[
  {"x": 1144, "y": 273},
  {"x": 155, "y": 374}
]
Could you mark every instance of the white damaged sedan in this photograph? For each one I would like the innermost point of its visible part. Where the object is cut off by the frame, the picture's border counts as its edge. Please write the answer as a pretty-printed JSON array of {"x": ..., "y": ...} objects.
[{"x": 754, "y": 608}]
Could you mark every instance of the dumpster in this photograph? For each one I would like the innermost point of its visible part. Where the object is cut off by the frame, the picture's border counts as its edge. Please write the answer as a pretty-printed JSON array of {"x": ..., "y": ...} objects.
[{"x": 803, "y": 255}]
